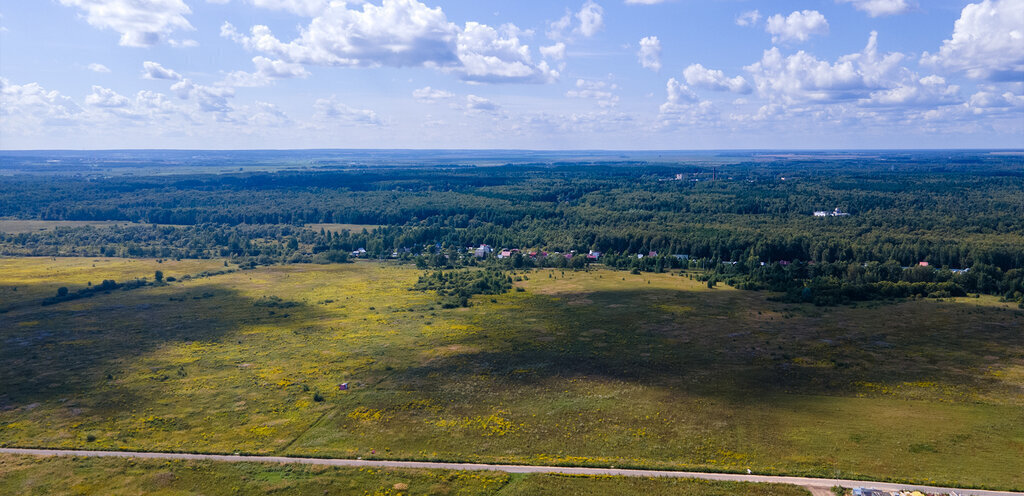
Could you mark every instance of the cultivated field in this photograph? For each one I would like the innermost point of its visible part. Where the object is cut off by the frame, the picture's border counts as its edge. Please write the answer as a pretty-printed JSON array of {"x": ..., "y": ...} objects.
[{"x": 585, "y": 368}]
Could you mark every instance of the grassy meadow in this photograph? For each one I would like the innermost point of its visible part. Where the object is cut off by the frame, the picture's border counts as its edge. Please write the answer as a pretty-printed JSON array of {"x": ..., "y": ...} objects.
[
  {"x": 113, "y": 477},
  {"x": 582, "y": 368}
]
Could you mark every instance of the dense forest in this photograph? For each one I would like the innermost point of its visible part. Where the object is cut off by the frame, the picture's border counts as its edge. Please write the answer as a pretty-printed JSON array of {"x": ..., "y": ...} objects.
[{"x": 917, "y": 226}]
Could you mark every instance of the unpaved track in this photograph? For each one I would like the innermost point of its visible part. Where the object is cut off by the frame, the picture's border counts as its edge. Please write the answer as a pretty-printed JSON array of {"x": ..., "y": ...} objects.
[{"x": 815, "y": 484}]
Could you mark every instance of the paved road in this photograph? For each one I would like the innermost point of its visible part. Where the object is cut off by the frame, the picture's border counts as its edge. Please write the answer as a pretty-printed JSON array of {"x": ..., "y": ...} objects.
[{"x": 515, "y": 469}]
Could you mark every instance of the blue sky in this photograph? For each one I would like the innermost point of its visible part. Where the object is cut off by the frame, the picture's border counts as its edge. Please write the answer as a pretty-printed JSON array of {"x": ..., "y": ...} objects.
[{"x": 594, "y": 74}]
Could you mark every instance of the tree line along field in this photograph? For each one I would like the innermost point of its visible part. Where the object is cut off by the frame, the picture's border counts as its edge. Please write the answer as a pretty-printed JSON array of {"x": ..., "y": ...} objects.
[
  {"x": 749, "y": 224},
  {"x": 64, "y": 476},
  {"x": 589, "y": 367}
]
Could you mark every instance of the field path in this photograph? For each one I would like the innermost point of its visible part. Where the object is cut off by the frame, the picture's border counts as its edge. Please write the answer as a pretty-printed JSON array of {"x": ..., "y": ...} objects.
[{"x": 817, "y": 486}]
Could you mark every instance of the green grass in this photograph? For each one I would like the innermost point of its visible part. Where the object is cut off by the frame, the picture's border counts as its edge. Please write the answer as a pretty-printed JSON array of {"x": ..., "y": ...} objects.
[
  {"x": 112, "y": 477},
  {"x": 587, "y": 368},
  {"x": 14, "y": 226}
]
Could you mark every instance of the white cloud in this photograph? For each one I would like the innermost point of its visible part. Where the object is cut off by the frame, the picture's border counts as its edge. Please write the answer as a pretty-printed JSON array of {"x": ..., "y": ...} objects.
[
  {"x": 153, "y": 70},
  {"x": 798, "y": 26},
  {"x": 591, "y": 18},
  {"x": 267, "y": 71},
  {"x": 332, "y": 111},
  {"x": 553, "y": 52},
  {"x": 929, "y": 91},
  {"x": 402, "y": 33},
  {"x": 678, "y": 96},
  {"x": 208, "y": 98},
  {"x": 29, "y": 106},
  {"x": 992, "y": 100},
  {"x": 987, "y": 42},
  {"x": 396, "y": 33},
  {"x": 431, "y": 95},
  {"x": 480, "y": 105},
  {"x": 308, "y": 8},
  {"x": 106, "y": 98},
  {"x": 490, "y": 56},
  {"x": 878, "y": 8},
  {"x": 557, "y": 28},
  {"x": 803, "y": 78},
  {"x": 600, "y": 91},
  {"x": 748, "y": 18},
  {"x": 183, "y": 43},
  {"x": 650, "y": 53},
  {"x": 140, "y": 22},
  {"x": 94, "y": 67},
  {"x": 683, "y": 108},
  {"x": 701, "y": 77}
]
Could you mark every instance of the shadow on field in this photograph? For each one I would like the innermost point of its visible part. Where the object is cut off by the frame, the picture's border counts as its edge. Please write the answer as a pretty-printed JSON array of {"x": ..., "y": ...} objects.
[
  {"x": 81, "y": 348},
  {"x": 719, "y": 349}
]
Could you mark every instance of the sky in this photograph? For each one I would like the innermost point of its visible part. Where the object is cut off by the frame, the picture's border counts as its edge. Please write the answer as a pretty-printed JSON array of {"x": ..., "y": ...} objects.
[{"x": 511, "y": 74}]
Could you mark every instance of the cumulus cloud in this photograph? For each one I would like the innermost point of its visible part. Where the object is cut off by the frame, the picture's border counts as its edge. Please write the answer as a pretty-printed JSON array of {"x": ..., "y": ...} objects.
[
  {"x": 929, "y": 91},
  {"x": 267, "y": 71},
  {"x": 153, "y": 70},
  {"x": 402, "y": 33},
  {"x": 140, "y": 22},
  {"x": 878, "y": 8},
  {"x": 32, "y": 105},
  {"x": 480, "y": 105},
  {"x": 683, "y": 108},
  {"x": 488, "y": 55},
  {"x": 650, "y": 53},
  {"x": 591, "y": 18},
  {"x": 106, "y": 98},
  {"x": 308, "y": 8},
  {"x": 987, "y": 42},
  {"x": 330, "y": 110},
  {"x": 701, "y": 77},
  {"x": 553, "y": 52},
  {"x": 208, "y": 98},
  {"x": 797, "y": 26},
  {"x": 431, "y": 95},
  {"x": 98, "y": 68},
  {"x": 600, "y": 91},
  {"x": 803, "y": 78},
  {"x": 748, "y": 18}
]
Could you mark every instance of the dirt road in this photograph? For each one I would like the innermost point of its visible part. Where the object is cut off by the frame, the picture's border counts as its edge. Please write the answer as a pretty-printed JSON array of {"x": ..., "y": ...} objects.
[{"x": 818, "y": 486}]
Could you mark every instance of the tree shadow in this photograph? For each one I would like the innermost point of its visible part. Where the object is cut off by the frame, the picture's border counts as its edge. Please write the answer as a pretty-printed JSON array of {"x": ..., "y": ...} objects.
[
  {"x": 655, "y": 337},
  {"x": 81, "y": 348}
]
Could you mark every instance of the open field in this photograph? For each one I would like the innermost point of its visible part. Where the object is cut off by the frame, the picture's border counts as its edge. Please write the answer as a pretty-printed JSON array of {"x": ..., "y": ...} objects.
[
  {"x": 337, "y": 228},
  {"x": 10, "y": 226},
  {"x": 587, "y": 368},
  {"x": 58, "y": 476}
]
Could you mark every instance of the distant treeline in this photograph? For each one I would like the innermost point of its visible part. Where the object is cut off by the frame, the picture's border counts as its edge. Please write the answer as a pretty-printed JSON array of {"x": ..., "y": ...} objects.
[{"x": 957, "y": 215}]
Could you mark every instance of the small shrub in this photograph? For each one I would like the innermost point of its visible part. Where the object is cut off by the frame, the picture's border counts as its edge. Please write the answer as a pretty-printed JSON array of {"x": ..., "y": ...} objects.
[{"x": 317, "y": 397}]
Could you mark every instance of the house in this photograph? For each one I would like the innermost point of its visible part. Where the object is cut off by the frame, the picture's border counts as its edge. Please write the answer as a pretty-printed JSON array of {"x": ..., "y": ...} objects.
[
  {"x": 652, "y": 254},
  {"x": 359, "y": 253},
  {"x": 784, "y": 262},
  {"x": 483, "y": 251},
  {"x": 593, "y": 255},
  {"x": 508, "y": 253},
  {"x": 682, "y": 257},
  {"x": 834, "y": 213},
  {"x": 923, "y": 264}
]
